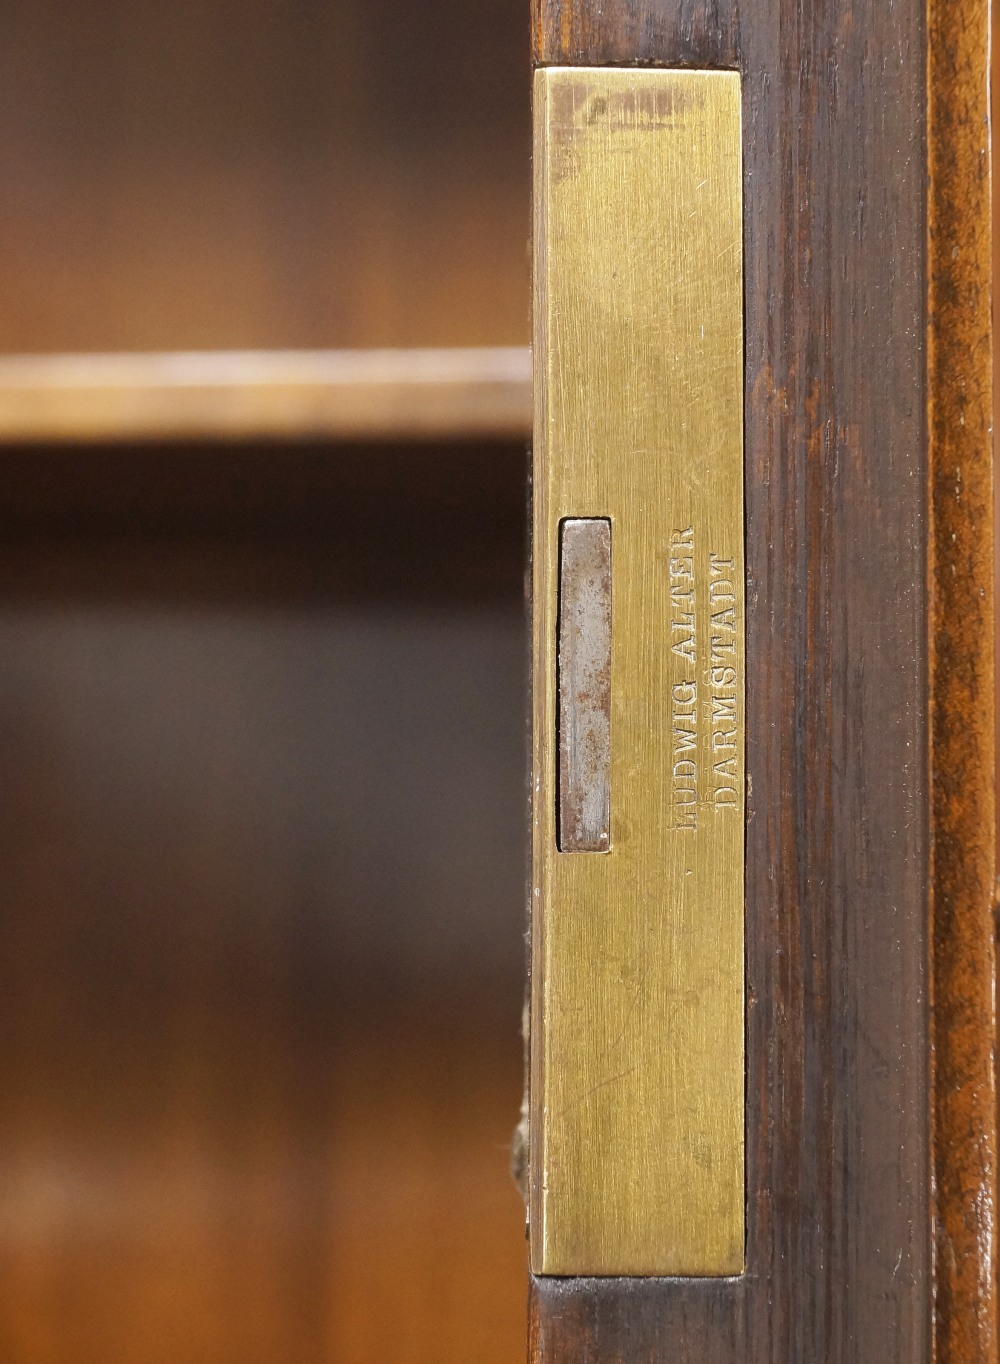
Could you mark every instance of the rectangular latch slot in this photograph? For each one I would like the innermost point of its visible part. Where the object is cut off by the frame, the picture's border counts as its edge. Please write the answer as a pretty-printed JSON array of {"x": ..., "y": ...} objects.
[{"x": 585, "y": 685}]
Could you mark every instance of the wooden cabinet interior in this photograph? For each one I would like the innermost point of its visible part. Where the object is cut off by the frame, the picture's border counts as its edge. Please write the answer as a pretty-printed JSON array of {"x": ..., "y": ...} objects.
[
  {"x": 217, "y": 175},
  {"x": 262, "y": 685}
]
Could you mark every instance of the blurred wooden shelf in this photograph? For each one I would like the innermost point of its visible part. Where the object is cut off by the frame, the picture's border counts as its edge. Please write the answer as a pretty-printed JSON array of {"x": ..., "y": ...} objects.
[{"x": 301, "y": 395}]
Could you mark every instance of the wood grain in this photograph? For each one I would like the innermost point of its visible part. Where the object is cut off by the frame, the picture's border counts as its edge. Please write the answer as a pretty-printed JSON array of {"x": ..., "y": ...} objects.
[
  {"x": 702, "y": 33},
  {"x": 963, "y": 716},
  {"x": 260, "y": 942},
  {"x": 201, "y": 174},
  {"x": 417, "y": 395},
  {"x": 839, "y": 1208}
]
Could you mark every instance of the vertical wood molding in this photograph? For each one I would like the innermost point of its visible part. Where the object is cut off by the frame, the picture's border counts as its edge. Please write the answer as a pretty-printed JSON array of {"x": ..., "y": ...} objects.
[
  {"x": 963, "y": 740},
  {"x": 838, "y": 839}
]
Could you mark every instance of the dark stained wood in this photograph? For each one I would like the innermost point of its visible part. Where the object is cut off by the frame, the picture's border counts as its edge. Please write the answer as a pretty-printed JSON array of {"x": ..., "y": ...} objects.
[
  {"x": 390, "y": 526},
  {"x": 838, "y": 1187},
  {"x": 963, "y": 717},
  {"x": 704, "y": 33}
]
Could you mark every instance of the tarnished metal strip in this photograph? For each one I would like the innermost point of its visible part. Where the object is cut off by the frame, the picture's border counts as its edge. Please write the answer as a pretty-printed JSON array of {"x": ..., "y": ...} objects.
[
  {"x": 637, "y": 1052},
  {"x": 585, "y": 685}
]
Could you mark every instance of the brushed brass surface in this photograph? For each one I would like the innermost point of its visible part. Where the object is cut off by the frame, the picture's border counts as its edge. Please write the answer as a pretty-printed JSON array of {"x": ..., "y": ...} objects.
[{"x": 637, "y": 1049}]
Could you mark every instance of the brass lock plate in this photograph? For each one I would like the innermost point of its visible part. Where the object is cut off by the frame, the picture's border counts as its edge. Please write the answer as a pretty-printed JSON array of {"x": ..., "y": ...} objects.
[{"x": 637, "y": 1047}]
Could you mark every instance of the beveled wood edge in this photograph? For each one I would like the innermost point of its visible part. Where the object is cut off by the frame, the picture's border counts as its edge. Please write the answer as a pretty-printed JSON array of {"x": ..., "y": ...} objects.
[
  {"x": 962, "y": 701},
  {"x": 635, "y": 32},
  {"x": 445, "y": 394}
]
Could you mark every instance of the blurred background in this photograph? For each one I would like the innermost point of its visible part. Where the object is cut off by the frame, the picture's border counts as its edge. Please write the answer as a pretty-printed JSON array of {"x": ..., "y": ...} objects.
[{"x": 262, "y": 692}]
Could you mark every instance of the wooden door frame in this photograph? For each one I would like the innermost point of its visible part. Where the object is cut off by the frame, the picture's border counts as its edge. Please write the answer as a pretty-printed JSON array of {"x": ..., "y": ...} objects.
[{"x": 871, "y": 1117}]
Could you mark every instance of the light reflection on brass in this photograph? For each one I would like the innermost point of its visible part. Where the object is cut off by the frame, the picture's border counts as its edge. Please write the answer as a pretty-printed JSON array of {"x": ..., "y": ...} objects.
[{"x": 637, "y": 1070}]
